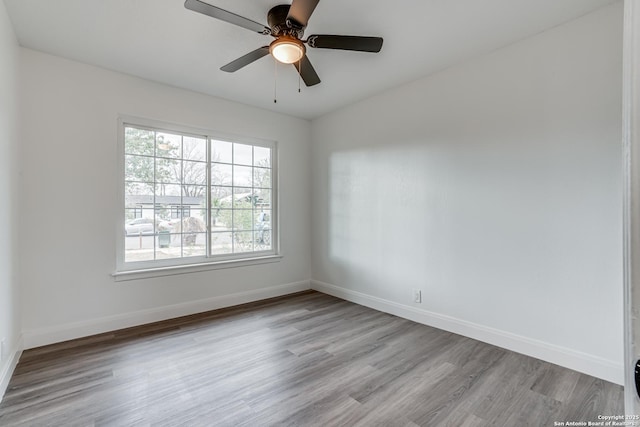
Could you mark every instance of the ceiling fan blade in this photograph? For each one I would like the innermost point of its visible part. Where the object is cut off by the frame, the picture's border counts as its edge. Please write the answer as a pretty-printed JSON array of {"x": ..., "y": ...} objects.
[
  {"x": 246, "y": 59},
  {"x": 307, "y": 72},
  {"x": 301, "y": 10},
  {"x": 223, "y": 15},
  {"x": 360, "y": 44}
]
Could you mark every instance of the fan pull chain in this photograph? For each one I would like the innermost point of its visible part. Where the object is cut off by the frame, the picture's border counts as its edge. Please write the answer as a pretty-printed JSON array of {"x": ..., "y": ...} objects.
[
  {"x": 299, "y": 71},
  {"x": 275, "y": 81}
]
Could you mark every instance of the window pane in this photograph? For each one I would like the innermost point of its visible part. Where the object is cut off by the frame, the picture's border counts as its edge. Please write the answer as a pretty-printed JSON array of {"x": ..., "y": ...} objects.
[
  {"x": 263, "y": 199},
  {"x": 243, "y": 241},
  {"x": 137, "y": 194},
  {"x": 163, "y": 217},
  {"x": 194, "y": 148},
  {"x": 242, "y": 154},
  {"x": 223, "y": 220},
  {"x": 199, "y": 212},
  {"x": 192, "y": 224},
  {"x": 168, "y": 170},
  {"x": 262, "y": 227},
  {"x": 263, "y": 240},
  {"x": 262, "y": 156},
  {"x": 138, "y": 141},
  {"x": 194, "y": 173},
  {"x": 138, "y": 248},
  {"x": 168, "y": 145},
  {"x": 221, "y": 243},
  {"x": 262, "y": 177},
  {"x": 242, "y": 176},
  {"x": 140, "y": 225},
  {"x": 138, "y": 168},
  {"x": 194, "y": 201},
  {"x": 221, "y": 197},
  {"x": 242, "y": 220},
  {"x": 139, "y": 237},
  {"x": 132, "y": 213},
  {"x": 194, "y": 244},
  {"x": 242, "y": 198},
  {"x": 221, "y": 174},
  {"x": 168, "y": 224},
  {"x": 168, "y": 194},
  {"x": 262, "y": 219},
  {"x": 162, "y": 213},
  {"x": 168, "y": 246},
  {"x": 221, "y": 151}
]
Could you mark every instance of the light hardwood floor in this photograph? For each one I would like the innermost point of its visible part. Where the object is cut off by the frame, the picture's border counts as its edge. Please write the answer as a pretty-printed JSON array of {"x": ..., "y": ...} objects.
[{"x": 303, "y": 360}]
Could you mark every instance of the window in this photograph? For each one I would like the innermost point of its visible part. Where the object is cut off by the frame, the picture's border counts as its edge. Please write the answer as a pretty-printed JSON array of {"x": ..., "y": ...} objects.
[
  {"x": 193, "y": 198},
  {"x": 180, "y": 212},
  {"x": 137, "y": 211}
]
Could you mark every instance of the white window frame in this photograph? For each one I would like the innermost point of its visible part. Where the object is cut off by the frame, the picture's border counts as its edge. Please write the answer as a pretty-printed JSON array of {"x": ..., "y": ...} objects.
[{"x": 143, "y": 269}]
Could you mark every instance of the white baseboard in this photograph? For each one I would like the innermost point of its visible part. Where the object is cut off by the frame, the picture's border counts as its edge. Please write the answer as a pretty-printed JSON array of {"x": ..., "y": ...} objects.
[
  {"x": 49, "y": 335},
  {"x": 572, "y": 359},
  {"x": 6, "y": 370}
]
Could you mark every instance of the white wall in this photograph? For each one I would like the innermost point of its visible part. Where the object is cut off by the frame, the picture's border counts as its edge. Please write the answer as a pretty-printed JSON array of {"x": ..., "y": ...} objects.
[
  {"x": 9, "y": 152},
  {"x": 69, "y": 210},
  {"x": 495, "y": 188}
]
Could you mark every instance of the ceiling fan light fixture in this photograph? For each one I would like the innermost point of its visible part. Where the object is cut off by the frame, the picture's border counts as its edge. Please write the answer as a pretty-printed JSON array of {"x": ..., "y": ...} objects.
[{"x": 287, "y": 50}]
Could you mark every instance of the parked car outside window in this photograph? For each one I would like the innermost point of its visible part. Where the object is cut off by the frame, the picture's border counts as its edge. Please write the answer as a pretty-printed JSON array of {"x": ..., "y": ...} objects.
[{"x": 139, "y": 226}]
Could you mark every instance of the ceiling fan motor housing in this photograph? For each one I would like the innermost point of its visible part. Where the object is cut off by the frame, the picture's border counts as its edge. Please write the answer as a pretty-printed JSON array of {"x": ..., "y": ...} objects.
[
  {"x": 286, "y": 24},
  {"x": 280, "y": 26}
]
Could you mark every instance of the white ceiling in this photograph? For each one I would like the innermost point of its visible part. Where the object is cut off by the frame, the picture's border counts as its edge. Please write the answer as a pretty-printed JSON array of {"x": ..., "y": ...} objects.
[{"x": 160, "y": 40}]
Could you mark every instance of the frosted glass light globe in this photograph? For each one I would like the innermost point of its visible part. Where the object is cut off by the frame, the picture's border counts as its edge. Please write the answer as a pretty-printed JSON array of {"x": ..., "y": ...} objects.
[{"x": 287, "y": 50}]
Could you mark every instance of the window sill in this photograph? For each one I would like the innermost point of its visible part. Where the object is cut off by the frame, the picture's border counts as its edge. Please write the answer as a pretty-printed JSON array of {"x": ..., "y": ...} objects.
[{"x": 147, "y": 273}]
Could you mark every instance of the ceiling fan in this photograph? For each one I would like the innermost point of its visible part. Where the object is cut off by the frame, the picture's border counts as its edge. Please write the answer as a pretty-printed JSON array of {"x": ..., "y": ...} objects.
[{"x": 286, "y": 25}]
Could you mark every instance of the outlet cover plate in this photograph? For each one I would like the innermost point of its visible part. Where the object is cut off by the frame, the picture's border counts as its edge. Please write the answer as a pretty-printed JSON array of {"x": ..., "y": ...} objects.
[{"x": 417, "y": 295}]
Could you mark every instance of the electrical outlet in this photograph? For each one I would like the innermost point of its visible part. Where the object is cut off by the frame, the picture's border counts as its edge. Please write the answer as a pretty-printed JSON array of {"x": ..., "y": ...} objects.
[{"x": 417, "y": 295}]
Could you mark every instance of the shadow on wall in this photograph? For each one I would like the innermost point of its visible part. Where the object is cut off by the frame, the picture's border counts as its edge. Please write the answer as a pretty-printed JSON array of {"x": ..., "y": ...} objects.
[{"x": 465, "y": 222}]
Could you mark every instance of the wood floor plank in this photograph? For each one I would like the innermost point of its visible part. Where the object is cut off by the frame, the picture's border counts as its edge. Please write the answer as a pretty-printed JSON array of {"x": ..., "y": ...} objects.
[
  {"x": 556, "y": 383},
  {"x": 306, "y": 359},
  {"x": 504, "y": 383},
  {"x": 531, "y": 409}
]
